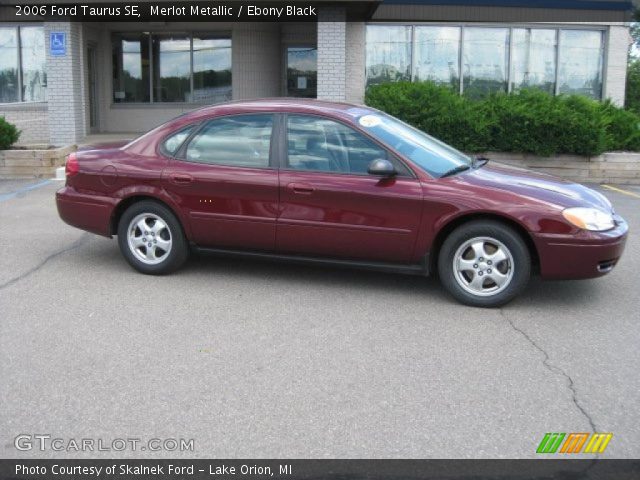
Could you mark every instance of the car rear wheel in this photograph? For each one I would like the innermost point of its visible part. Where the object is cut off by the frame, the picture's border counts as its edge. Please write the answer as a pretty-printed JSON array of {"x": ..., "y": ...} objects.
[
  {"x": 484, "y": 264},
  {"x": 151, "y": 238}
]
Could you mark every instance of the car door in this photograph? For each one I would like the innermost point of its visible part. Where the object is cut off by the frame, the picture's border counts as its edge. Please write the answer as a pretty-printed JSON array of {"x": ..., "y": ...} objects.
[
  {"x": 330, "y": 206},
  {"x": 224, "y": 180}
]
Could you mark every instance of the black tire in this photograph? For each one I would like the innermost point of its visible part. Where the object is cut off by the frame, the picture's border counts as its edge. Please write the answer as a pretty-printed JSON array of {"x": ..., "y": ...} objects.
[
  {"x": 517, "y": 272},
  {"x": 166, "y": 262}
]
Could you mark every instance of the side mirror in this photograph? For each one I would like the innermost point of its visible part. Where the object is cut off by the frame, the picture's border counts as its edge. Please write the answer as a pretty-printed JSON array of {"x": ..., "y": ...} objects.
[{"x": 382, "y": 168}]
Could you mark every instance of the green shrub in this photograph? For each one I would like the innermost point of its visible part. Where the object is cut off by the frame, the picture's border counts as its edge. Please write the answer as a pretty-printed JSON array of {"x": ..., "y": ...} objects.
[
  {"x": 9, "y": 134},
  {"x": 632, "y": 95},
  {"x": 623, "y": 128},
  {"x": 530, "y": 121}
]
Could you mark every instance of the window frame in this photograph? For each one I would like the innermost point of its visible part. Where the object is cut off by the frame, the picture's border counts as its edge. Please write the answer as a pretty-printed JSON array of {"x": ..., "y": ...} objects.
[
  {"x": 180, "y": 154},
  {"x": 17, "y": 29},
  {"x": 222, "y": 34},
  {"x": 558, "y": 27},
  {"x": 161, "y": 148},
  {"x": 392, "y": 156}
]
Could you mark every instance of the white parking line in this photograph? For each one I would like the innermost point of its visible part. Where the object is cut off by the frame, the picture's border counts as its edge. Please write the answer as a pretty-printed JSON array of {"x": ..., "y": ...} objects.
[{"x": 8, "y": 196}]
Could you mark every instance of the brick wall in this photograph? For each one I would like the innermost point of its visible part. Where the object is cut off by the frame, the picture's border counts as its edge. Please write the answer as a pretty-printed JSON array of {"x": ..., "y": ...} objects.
[
  {"x": 256, "y": 60},
  {"x": 66, "y": 86},
  {"x": 332, "y": 54},
  {"x": 355, "y": 74},
  {"x": 31, "y": 118}
]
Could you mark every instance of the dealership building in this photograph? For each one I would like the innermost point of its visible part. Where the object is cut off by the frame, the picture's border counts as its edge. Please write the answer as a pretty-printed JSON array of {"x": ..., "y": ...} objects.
[{"x": 63, "y": 80}]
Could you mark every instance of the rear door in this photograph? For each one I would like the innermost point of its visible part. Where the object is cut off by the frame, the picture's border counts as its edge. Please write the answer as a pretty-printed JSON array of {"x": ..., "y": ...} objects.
[
  {"x": 224, "y": 180},
  {"x": 330, "y": 206}
]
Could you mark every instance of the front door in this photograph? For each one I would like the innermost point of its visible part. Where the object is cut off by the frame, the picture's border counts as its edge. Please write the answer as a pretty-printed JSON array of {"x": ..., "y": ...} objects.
[
  {"x": 225, "y": 183},
  {"x": 302, "y": 72},
  {"x": 330, "y": 206}
]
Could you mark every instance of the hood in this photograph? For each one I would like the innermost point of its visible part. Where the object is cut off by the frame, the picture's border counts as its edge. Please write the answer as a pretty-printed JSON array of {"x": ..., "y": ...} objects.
[{"x": 538, "y": 186}]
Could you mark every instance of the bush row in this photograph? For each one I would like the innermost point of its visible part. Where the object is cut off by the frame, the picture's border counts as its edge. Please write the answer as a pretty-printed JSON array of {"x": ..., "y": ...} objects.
[{"x": 530, "y": 121}]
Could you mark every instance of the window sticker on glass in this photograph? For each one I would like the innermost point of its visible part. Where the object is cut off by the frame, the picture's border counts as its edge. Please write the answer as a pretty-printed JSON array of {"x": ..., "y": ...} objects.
[{"x": 369, "y": 121}]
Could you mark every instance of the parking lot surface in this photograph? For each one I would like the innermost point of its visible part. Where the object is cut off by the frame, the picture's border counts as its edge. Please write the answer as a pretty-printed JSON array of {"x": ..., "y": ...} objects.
[{"x": 257, "y": 360}]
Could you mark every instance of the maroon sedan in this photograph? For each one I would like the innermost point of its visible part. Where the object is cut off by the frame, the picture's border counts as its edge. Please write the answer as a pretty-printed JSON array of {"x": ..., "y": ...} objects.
[{"x": 337, "y": 184}]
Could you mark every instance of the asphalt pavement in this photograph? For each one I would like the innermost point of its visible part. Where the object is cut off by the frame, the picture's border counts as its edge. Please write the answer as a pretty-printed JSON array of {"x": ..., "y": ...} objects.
[{"x": 252, "y": 359}]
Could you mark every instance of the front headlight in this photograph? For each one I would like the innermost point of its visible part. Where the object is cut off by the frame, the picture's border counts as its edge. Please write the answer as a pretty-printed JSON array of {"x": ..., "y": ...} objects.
[{"x": 589, "y": 219}]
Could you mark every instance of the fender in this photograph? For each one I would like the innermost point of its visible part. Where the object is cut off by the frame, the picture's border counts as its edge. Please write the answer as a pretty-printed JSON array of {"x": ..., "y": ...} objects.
[{"x": 153, "y": 192}]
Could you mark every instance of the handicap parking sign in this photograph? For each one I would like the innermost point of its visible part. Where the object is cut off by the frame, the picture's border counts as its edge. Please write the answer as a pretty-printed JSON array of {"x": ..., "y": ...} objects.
[{"x": 58, "y": 44}]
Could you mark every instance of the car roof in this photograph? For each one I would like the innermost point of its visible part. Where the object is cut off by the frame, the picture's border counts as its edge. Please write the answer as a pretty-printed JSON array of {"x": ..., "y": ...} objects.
[{"x": 343, "y": 110}]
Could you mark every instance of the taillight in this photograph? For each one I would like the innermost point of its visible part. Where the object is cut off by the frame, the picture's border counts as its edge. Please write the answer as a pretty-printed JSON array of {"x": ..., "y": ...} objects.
[{"x": 71, "y": 167}]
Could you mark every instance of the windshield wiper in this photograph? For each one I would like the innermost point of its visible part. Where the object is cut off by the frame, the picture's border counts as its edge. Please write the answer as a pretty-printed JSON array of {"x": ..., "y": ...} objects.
[
  {"x": 480, "y": 162},
  {"x": 453, "y": 171}
]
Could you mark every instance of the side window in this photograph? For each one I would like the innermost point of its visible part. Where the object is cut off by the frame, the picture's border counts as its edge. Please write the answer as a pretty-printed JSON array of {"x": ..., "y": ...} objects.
[
  {"x": 320, "y": 144},
  {"x": 239, "y": 141},
  {"x": 174, "y": 141}
]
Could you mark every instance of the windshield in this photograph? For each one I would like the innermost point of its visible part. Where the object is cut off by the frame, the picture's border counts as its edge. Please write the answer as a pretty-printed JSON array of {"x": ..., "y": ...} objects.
[{"x": 432, "y": 155}]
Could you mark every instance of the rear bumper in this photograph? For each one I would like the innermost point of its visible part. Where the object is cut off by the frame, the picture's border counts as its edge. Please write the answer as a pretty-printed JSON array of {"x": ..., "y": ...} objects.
[
  {"x": 88, "y": 212},
  {"x": 584, "y": 255}
]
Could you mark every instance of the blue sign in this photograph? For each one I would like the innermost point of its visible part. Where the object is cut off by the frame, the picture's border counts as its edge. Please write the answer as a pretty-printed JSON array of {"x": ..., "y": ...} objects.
[{"x": 58, "y": 44}]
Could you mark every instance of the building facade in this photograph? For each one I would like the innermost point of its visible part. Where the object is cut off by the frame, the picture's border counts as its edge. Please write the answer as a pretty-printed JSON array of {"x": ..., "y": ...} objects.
[{"x": 123, "y": 77}]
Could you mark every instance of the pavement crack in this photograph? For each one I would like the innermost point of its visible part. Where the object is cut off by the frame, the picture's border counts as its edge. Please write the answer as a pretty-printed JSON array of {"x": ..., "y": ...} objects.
[
  {"x": 554, "y": 369},
  {"x": 83, "y": 239}
]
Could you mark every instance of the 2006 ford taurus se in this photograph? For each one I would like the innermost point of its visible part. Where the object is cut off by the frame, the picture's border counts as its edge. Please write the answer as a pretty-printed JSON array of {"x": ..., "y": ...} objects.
[{"x": 338, "y": 184}]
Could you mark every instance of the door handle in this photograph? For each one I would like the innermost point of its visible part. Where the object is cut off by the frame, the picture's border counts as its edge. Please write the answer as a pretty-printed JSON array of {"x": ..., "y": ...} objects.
[
  {"x": 301, "y": 188},
  {"x": 181, "y": 178}
]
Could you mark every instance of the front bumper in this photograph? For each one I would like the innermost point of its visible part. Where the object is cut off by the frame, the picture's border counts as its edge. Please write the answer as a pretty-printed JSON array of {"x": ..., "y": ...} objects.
[
  {"x": 88, "y": 212},
  {"x": 583, "y": 255}
]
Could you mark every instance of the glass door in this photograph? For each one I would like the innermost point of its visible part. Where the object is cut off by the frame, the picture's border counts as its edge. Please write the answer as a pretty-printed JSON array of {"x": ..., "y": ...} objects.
[{"x": 302, "y": 71}]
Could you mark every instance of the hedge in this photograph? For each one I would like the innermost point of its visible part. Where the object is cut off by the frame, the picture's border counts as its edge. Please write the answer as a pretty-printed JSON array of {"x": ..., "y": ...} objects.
[
  {"x": 9, "y": 134},
  {"x": 529, "y": 121}
]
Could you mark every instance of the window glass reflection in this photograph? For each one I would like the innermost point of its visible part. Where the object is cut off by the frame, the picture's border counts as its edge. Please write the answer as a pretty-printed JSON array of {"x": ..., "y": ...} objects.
[
  {"x": 211, "y": 69},
  {"x": 131, "y": 68},
  {"x": 581, "y": 57},
  {"x": 534, "y": 59},
  {"x": 171, "y": 68},
  {"x": 486, "y": 56},
  {"x": 8, "y": 65},
  {"x": 34, "y": 77},
  {"x": 388, "y": 51},
  {"x": 218, "y": 142},
  {"x": 437, "y": 55}
]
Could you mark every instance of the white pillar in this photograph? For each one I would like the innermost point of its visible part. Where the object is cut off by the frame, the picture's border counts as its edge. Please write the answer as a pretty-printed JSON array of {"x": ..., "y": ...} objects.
[
  {"x": 65, "y": 85},
  {"x": 332, "y": 53},
  {"x": 616, "y": 66}
]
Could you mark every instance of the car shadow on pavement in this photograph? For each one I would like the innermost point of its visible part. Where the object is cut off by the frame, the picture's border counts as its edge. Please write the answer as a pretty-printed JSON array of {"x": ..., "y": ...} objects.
[{"x": 548, "y": 294}]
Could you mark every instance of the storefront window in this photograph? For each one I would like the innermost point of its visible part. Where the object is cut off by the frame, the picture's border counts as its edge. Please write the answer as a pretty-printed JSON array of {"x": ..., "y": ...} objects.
[
  {"x": 533, "y": 59},
  {"x": 171, "y": 68},
  {"x": 485, "y": 60},
  {"x": 22, "y": 57},
  {"x": 580, "y": 65},
  {"x": 481, "y": 60},
  {"x": 131, "y": 68},
  {"x": 437, "y": 55},
  {"x": 211, "y": 68},
  {"x": 388, "y": 54},
  {"x": 183, "y": 68}
]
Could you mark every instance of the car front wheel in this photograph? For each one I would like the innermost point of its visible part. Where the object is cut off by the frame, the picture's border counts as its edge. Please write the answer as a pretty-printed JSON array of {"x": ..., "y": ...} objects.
[
  {"x": 484, "y": 264},
  {"x": 151, "y": 238}
]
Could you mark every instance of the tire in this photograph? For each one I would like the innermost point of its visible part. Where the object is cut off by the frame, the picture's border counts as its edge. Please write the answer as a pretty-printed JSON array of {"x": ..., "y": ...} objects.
[
  {"x": 151, "y": 238},
  {"x": 484, "y": 264}
]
